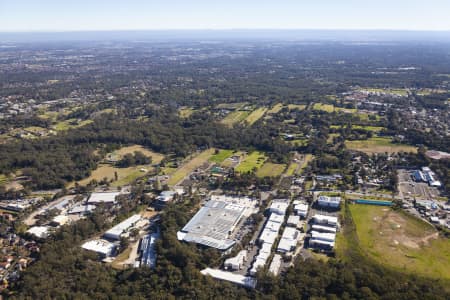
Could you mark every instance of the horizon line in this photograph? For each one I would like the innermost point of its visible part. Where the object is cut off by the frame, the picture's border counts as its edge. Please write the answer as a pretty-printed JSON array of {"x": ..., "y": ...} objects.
[{"x": 226, "y": 29}]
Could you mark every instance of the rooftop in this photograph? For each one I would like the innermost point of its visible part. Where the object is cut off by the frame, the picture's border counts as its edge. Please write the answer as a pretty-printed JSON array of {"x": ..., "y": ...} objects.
[{"x": 231, "y": 277}]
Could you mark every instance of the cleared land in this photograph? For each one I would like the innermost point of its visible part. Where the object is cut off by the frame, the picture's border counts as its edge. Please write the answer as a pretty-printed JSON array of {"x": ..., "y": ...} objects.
[
  {"x": 291, "y": 169},
  {"x": 401, "y": 241},
  {"x": 270, "y": 170},
  {"x": 324, "y": 107},
  {"x": 378, "y": 145},
  {"x": 235, "y": 117},
  {"x": 190, "y": 166},
  {"x": 255, "y": 115},
  {"x": 221, "y": 156},
  {"x": 156, "y": 157},
  {"x": 253, "y": 160},
  {"x": 296, "y": 106}
]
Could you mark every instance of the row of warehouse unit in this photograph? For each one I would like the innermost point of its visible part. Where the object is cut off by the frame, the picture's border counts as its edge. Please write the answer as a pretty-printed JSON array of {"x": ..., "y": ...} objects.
[
  {"x": 323, "y": 234},
  {"x": 329, "y": 202},
  {"x": 426, "y": 175},
  {"x": 300, "y": 208}
]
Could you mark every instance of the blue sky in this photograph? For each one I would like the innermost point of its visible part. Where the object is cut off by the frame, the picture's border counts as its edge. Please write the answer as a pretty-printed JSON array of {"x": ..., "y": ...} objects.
[{"x": 64, "y": 15}]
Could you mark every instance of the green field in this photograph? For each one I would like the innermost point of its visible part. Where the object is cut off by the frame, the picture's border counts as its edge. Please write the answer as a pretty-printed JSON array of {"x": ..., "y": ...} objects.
[
  {"x": 235, "y": 117},
  {"x": 253, "y": 160},
  {"x": 324, "y": 107},
  {"x": 378, "y": 145},
  {"x": 255, "y": 115},
  {"x": 3, "y": 179},
  {"x": 401, "y": 241},
  {"x": 375, "y": 129},
  {"x": 190, "y": 166},
  {"x": 291, "y": 169},
  {"x": 270, "y": 170},
  {"x": 221, "y": 156},
  {"x": 396, "y": 92}
]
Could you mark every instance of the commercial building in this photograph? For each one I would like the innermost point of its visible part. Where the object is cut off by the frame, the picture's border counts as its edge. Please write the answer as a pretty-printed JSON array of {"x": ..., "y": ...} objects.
[
  {"x": 213, "y": 225},
  {"x": 320, "y": 228},
  {"x": 81, "y": 209},
  {"x": 236, "y": 263},
  {"x": 164, "y": 198},
  {"x": 101, "y": 247},
  {"x": 331, "y": 202},
  {"x": 117, "y": 231}
]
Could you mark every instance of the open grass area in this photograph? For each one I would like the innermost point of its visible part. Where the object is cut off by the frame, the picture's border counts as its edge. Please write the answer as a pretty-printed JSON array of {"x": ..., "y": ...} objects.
[
  {"x": 276, "y": 108},
  {"x": 379, "y": 145},
  {"x": 255, "y": 115},
  {"x": 3, "y": 179},
  {"x": 291, "y": 169},
  {"x": 185, "y": 112},
  {"x": 307, "y": 158},
  {"x": 190, "y": 166},
  {"x": 395, "y": 92},
  {"x": 221, "y": 156},
  {"x": 124, "y": 175},
  {"x": 70, "y": 123},
  {"x": 400, "y": 241},
  {"x": 235, "y": 117},
  {"x": 270, "y": 170},
  {"x": 297, "y": 106},
  {"x": 252, "y": 161},
  {"x": 324, "y": 107},
  {"x": 374, "y": 129}
]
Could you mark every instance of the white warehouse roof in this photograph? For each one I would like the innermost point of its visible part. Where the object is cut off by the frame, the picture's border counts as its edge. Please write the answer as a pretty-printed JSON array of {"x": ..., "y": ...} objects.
[
  {"x": 103, "y": 197},
  {"x": 119, "y": 229},
  {"x": 102, "y": 247}
]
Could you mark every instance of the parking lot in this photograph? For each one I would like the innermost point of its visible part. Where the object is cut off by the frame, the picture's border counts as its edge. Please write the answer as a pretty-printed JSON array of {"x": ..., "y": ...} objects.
[{"x": 408, "y": 188}]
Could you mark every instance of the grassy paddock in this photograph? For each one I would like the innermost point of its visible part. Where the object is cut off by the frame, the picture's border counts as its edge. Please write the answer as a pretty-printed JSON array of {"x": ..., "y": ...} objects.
[
  {"x": 400, "y": 241},
  {"x": 253, "y": 160},
  {"x": 190, "y": 166},
  {"x": 270, "y": 170},
  {"x": 235, "y": 117},
  {"x": 276, "y": 108}
]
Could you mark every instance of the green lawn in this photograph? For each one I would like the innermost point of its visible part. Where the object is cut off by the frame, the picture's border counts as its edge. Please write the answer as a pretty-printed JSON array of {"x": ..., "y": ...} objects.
[
  {"x": 253, "y": 160},
  {"x": 400, "y": 241},
  {"x": 291, "y": 169},
  {"x": 270, "y": 170},
  {"x": 221, "y": 156}
]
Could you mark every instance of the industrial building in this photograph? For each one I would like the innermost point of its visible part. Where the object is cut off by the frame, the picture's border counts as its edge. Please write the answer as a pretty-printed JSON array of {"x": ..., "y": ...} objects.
[
  {"x": 279, "y": 206},
  {"x": 275, "y": 265},
  {"x": 288, "y": 240},
  {"x": 164, "y": 198},
  {"x": 293, "y": 221},
  {"x": 325, "y": 220},
  {"x": 117, "y": 231},
  {"x": 147, "y": 250},
  {"x": 231, "y": 277},
  {"x": 236, "y": 263},
  {"x": 301, "y": 210},
  {"x": 106, "y": 198},
  {"x": 330, "y": 202},
  {"x": 60, "y": 220},
  {"x": 213, "y": 225},
  {"x": 41, "y": 232},
  {"x": 101, "y": 247}
]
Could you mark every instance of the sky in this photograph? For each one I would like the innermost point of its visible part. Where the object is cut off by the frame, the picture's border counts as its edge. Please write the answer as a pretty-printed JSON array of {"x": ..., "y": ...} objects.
[{"x": 81, "y": 15}]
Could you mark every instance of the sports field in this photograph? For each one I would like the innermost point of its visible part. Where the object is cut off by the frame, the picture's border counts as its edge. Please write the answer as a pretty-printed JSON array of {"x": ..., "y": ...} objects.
[
  {"x": 270, "y": 170},
  {"x": 253, "y": 160},
  {"x": 401, "y": 241},
  {"x": 190, "y": 166},
  {"x": 378, "y": 145}
]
